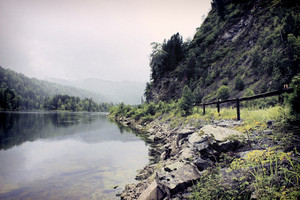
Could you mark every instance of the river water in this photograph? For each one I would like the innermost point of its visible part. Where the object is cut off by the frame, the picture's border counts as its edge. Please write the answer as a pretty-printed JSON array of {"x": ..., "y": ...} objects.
[{"x": 49, "y": 155}]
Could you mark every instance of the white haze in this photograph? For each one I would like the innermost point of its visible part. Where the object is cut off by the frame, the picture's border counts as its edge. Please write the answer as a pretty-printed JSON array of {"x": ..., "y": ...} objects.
[{"x": 78, "y": 39}]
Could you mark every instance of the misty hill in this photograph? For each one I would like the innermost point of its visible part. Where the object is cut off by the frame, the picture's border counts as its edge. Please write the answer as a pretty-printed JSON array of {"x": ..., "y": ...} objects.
[
  {"x": 30, "y": 93},
  {"x": 246, "y": 45},
  {"x": 128, "y": 92}
]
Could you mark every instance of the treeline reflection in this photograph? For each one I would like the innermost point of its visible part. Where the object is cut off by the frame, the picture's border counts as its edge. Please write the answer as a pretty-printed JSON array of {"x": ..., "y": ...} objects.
[{"x": 19, "y": 127}]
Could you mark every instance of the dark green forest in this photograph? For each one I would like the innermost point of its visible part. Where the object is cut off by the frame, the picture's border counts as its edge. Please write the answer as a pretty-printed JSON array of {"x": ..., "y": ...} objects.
[
  {"x": 70, "y": 103},
  {"x": 18, "y": 92}
]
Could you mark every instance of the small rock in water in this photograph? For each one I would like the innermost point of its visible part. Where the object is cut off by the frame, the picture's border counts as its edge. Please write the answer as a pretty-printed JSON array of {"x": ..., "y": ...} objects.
[{"x": 116, "y": 187}]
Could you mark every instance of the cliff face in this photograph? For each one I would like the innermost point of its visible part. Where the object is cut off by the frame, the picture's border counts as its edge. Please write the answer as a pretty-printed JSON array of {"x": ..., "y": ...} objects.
[{"x": 242, "y": 44}]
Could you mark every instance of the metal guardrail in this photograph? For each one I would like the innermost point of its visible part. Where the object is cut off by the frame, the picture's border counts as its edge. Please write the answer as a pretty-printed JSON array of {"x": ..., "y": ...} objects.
[{"x": 238, "y": 100}]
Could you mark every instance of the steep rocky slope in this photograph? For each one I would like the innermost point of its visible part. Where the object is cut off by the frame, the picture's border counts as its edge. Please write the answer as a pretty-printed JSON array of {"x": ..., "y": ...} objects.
[{"x": 250, "y": 44}]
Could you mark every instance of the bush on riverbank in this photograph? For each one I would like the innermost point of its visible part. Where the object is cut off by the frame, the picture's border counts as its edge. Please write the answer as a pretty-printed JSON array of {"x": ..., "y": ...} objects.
[
  {"x": 174, "y": 111},
  {"x": 261, "y": 174}
]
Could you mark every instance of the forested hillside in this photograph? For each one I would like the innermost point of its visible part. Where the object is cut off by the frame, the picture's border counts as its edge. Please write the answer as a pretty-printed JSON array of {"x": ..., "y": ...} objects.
[
  {"x": 18, "y": 92},
  {"x": 71, "y": 103},
  {"x": 249, "y": 46}
]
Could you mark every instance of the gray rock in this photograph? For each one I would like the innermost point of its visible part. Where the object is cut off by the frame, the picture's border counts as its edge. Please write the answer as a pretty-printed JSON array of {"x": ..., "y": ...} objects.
[
  {"x": 157, "y": 138},
  {"x": 164, "y": 156},
  {"x": 153, "y": 152},
  {"x": 201, "y": 146},
  {"x": 175, "y": 177},
  {"x": 229, "y": 124},
  {"x": 186, "y": 131},
  {"x": 183, "y": 134},
  {"x": 186, "y": 153},
  {"x": 268, "y": 132},
  {"x": 151, "y": 137},
  {"x": 226, "y": 146},
  {"x": 153, "y": 192},
  {"x": 202, "y": 164},
  {"x": 174, "y": 149},
  {"x": 226, "y": 35},
  {"x": 197, "y": 137},
  {"x": 144, "y": 173},
  {"x": 220, "y": 133}
]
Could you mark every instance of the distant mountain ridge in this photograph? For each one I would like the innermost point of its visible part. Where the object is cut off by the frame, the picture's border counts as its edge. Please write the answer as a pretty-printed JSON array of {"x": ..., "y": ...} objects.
[
  {"x": 18, "y": 91},
  {"x": 129, "y": 92}
]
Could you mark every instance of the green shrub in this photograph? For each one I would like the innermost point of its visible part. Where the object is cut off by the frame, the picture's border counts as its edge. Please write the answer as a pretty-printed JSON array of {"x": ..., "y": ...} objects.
[
  {"x": 150, "y": 109},
  {"x": 274, "y": 174},
  {"x": 223, "y": 93},
  {"x": 147, "y": 118},
  {"x": 294, "y": 99},
  {"x": 210, "y": 187},
  {"x": 239, "y": 84},
  {"x": 138, "y": 114}
]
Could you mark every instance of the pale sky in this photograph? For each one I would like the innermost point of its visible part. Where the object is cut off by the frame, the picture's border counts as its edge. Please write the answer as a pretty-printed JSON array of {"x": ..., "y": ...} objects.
[{"x": 78, "y": 39}]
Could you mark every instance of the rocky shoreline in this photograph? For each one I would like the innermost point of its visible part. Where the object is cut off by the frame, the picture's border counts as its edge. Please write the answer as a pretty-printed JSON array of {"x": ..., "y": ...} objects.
[{"x": 181, "y": 155}]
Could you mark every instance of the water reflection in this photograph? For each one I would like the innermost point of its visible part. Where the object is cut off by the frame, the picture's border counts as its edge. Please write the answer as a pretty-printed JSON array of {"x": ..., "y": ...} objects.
[
  {"x": 19, "y": 127},
  {"x": 66, "y": 155}
]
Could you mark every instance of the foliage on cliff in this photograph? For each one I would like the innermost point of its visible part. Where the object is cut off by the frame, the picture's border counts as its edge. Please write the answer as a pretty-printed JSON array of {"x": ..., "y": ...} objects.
[{"x": 241, "y": 44}]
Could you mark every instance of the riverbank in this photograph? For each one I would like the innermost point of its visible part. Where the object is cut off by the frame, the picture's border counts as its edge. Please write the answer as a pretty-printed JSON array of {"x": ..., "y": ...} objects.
[{"x": 186, "y": 149}]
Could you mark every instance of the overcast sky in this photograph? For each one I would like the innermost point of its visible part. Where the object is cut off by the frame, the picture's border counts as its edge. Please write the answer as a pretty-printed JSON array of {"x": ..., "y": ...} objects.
[{"x": 77, "y": 39}]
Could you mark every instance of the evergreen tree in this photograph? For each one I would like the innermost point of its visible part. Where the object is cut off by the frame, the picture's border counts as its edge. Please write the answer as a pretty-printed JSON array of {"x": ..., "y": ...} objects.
[
  {"x": 175, "y": 52},
  {"x": 239, "y": 84},
  {"x": 198, "y": 95},
  {"x": 166, "y": 56},
  {"x": 187, "y": 101},
  {"x": 157, "y": 61},
  {"x": 220, "y": 6}
]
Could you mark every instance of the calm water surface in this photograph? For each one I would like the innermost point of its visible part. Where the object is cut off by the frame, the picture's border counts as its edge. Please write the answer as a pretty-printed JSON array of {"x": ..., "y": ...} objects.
[{"x": 66, "y": 156}]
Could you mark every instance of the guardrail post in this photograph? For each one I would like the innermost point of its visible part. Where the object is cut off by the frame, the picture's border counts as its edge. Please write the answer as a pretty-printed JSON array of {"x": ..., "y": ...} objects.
[
  {"x": 238, "y": 114},
  {"x": 280, "y": 99},
  {"x": 203, "y": 109},
  {"x": 218, "y": 106}
]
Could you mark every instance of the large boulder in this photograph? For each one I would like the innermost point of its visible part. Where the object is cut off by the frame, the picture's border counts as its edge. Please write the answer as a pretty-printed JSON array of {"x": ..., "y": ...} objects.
[
  {"x": 183, "y": 133},
  {"x": 176, "y": 177},
  {"x": 210, "y": 141},
  {"x": 219, "y": 133},
  {"x": 153, "y": 192},
  {"x": 216, "y": 137}
]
